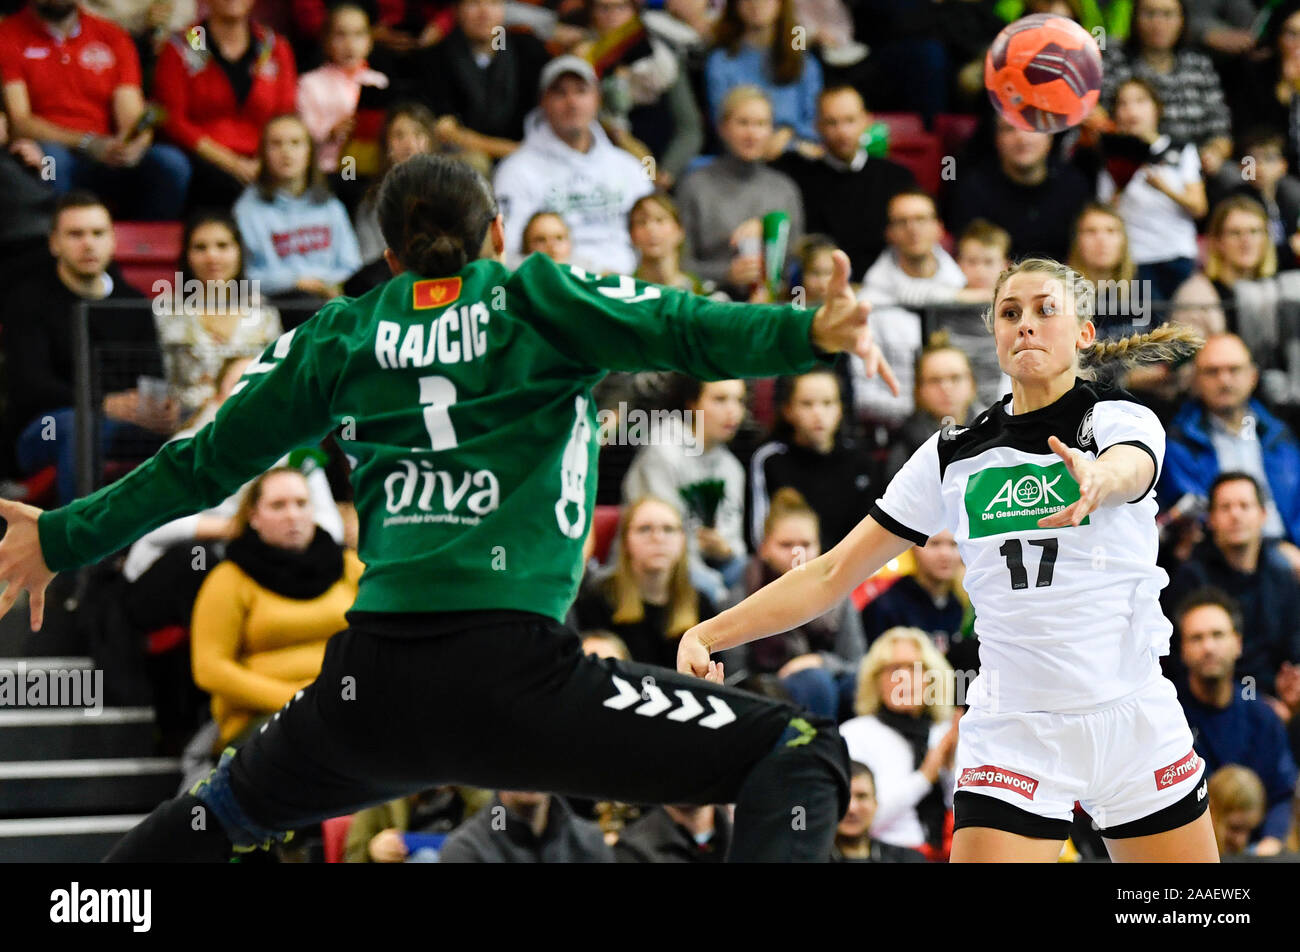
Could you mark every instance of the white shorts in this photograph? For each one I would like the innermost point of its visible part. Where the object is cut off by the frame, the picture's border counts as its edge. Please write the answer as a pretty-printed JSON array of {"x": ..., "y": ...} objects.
[{"x": 1122, "y": 764}]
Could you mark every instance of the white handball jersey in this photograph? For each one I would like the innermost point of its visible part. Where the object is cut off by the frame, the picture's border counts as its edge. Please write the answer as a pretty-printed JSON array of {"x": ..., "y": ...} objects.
[{"x": 1068, "y": 619}]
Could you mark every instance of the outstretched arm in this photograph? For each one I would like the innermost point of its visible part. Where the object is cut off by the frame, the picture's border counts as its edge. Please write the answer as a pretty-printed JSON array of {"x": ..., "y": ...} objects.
[
  {"x": 619, "y": 323},
  {"x": 798, "y": 596},
  {"x": 1121, "y": 474},
  {"x": 282, "y": 402}
]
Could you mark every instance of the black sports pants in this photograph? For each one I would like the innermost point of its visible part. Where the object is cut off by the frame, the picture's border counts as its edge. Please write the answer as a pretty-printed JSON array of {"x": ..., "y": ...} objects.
[{"x": 511, "y": 703}]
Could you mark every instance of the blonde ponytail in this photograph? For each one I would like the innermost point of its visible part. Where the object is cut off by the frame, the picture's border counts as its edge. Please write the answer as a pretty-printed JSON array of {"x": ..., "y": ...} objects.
[{"x": 1168, "y": 343}]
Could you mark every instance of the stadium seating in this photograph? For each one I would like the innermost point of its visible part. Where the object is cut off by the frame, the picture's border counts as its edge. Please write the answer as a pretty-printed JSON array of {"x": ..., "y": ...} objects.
[{"x": 147, "y": 251}]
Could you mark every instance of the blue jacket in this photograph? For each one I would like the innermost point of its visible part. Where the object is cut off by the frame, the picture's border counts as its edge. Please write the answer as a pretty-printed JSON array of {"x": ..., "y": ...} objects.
[
  {"x": 1191, "y": 463},
  {"x": 1250, "y": 734}
]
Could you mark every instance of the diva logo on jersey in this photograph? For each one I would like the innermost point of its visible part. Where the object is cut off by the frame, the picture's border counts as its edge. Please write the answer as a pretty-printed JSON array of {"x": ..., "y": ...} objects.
[
  {"x": 1013, "y": 498},
  {"x": 1176, "y": 773},
  {"x": 989, "y": 776}
]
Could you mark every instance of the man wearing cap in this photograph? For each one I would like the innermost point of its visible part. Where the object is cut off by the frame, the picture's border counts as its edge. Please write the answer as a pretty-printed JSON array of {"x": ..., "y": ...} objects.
[{"x": 568, "y": 165}]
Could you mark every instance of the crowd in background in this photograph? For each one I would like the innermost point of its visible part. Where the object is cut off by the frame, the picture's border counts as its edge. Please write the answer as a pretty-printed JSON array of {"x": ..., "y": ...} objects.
[{"x": 660, "y": 138}]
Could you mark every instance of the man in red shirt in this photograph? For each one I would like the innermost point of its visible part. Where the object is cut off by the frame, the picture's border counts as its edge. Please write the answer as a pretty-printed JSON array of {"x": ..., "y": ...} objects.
[{"x": 72, "y": 83}]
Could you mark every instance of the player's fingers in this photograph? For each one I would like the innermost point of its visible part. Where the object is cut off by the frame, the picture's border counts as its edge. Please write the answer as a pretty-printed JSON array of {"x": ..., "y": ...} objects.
[
  {"x": 8, "y": 598},
  {"x": 36, "y": 601},
  {"x": 1057, "y": 519},
  {"x": 887, "y": 374},
  {"x": 839, "y": 273}
]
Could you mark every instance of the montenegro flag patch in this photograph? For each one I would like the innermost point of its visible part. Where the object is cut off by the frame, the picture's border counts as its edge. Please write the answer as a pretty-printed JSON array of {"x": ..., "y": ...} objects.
[{"x": 438, "y": 292}]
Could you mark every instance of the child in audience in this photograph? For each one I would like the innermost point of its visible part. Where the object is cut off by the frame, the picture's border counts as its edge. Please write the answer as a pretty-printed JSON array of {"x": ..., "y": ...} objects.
[
  {"x": 816, "y": 662},
  {"x": 299, "y": 240},
  {"x": 808, "y": 452},
  {"x": 328, "y": 97},
  {"x": 408, "y": 131},
  {"x": 655, "y": 228},
  {"x": 547, "y": 232}
]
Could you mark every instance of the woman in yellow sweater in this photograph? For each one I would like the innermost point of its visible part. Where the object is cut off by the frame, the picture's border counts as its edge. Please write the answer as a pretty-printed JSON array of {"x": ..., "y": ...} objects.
[{"x": 263, "y": 616}]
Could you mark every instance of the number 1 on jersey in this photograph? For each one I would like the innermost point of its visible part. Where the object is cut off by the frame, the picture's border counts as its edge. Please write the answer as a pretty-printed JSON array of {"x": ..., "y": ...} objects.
[
  {"x": 1015, "y": 556},
  {"x": 439, "y": 393}
]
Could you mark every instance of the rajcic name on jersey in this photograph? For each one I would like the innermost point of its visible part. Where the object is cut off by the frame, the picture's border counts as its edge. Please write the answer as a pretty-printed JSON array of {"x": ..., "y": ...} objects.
[{"x": 457, "y": 335}]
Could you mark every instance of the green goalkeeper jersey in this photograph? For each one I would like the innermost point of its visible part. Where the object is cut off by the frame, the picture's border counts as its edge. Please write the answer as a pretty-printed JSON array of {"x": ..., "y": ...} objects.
[{"x": 465, "y": 406}]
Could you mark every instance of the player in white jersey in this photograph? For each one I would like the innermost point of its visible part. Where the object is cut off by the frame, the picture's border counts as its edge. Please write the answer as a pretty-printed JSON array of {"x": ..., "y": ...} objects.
[{"x": 1049, "y": 495}]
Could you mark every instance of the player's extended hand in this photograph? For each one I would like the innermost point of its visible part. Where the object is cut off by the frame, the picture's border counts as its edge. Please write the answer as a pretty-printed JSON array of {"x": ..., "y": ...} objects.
[
  {"x": 693, "y": 659},
  {"x": 22, "y": 564},
  {"x": 841, "y": 324},
  {"x": 1094, "y": 486}
]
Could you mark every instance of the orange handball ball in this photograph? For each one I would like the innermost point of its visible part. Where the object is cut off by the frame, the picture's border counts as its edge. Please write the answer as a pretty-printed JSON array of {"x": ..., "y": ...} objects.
[{"x": 1043, "y": 73}]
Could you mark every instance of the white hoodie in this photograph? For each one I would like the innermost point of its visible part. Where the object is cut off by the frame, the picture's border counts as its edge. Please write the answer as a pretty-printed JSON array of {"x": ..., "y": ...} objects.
[{"x": 593, "y": 191}]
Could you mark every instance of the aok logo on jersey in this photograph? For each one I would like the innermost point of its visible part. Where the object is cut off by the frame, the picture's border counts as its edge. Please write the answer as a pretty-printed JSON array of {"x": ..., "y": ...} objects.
[{"x": 1013, "y": 498}]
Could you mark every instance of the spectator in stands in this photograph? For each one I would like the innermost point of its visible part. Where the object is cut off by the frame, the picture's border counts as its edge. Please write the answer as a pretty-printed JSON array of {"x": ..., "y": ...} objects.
[
  {"x": 696, "y": 463},
  {"x": 220, "y": 83},
  {"x": 1230, "y": 723},
  {"x": 928, "y": 597},
  {"x": 299, "y": 240},
  {"x": 845, "y": 192},
  {"x": 377, "y": 834},
  {"x": 567, "y": 164},
  {"x": 1035, "y": 198},
  {"x": 605, "y": 644},
  {"x": 673, "y": 833},
  {"x": 1183, "y": 80},
  {"x": 816, "y": 662},
  {"x": 654, "y": 226},
  {"x": 983, "y": 253},
  {"x": 1222, "y": 26},
  {"x": 408, "y": 130},
  {"x": 481, "y": 82},
  {"x": 902, "y": 732},
  {"x": 263, "y": 616},
  {"x": 329, "y": 95},
  {"x": 1238, "y": 560},
  {"x": 1224, "y": 429},
  {"x": 526, "y": 828},
  {"x": 547, "y": 232},
  {"x": 40, "y": 354},
  {"x": 914, "y": 271},
  {"x": 645, "y": 88},
  {"x": 220, "y": 317},
  {"x": 915, "y": 45},
  {"x": 944, "y": 394},
  {"x": 1262, "y": 174},
  {"x": 753, "y": 46},
  {"x": 1100, "y": 252},
  {"x": 810, "y": 452},
  {"x": 1162, "y": 200},
  {"x": 148, "y": 21},
  {"x": 723, "y": 202},
  {"x": 648, "y": 600},
  {"x": 1237, "y": 806},
  {"x": 26, "y": 205},
  {"x": 1263, "y": 94},
  {"x": 72, "y": 82},
  {"x": 853, "y": 841}
]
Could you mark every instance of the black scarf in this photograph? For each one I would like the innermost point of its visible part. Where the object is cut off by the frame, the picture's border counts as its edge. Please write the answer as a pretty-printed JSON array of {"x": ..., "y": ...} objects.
[
  {"x": 305, "y": 575},
  {"x": 916, "y": 731}
]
